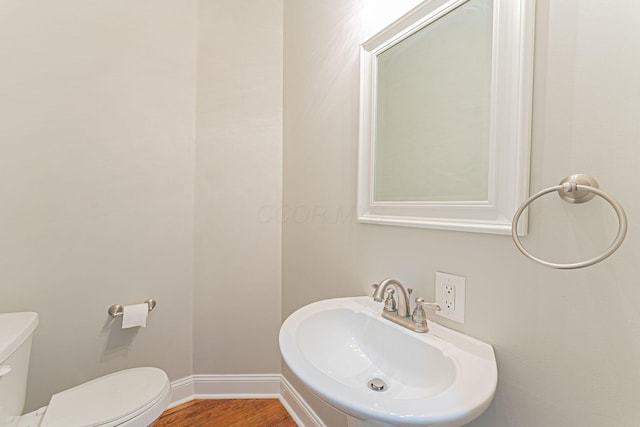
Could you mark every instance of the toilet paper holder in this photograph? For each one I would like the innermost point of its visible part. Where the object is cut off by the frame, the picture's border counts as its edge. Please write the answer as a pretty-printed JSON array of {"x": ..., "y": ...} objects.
[{"x": 116, "y": 310}]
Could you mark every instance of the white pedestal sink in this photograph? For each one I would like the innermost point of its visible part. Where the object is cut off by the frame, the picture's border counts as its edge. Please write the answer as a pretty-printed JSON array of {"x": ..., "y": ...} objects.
[{"x": 338, "y": 346}]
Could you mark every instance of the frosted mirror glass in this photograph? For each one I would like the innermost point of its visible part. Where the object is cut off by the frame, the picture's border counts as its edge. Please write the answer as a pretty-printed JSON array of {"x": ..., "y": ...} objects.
[
  {"x": 432, "y": 110},
  {"x": 445, "y": 117}
]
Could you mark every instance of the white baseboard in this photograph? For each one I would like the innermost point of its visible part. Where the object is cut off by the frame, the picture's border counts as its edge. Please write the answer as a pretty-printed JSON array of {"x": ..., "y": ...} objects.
[
  {"x": 262, "y": 386},
  {"x": 183, "y": 391},
  {"x": 297, "y": 407}
]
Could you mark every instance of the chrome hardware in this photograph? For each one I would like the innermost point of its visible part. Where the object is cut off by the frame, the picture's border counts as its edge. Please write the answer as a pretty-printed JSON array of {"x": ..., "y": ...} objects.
[
  {"x": 430, "y": 305},
  {"x": 375, "y": 287},
  {"x": 577, "y": 188},
  {"x": 377, "y": 384},
  {"x": 570, "y": 191},
  {"x": 400, "y": 314},
  {"x": 390, "y": 302},
  {"x": 403, "y": 295},
  {"x": 419, "y": 317},
  {"x": 117, "y": 310}
]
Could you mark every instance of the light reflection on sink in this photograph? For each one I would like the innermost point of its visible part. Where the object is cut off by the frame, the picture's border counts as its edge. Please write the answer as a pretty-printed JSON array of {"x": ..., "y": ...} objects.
[{"x": 439, "y": 378}]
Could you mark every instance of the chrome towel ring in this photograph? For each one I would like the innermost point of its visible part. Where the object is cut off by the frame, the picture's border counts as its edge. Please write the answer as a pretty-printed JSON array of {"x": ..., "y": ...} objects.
[{"x": 576, "y": 188}]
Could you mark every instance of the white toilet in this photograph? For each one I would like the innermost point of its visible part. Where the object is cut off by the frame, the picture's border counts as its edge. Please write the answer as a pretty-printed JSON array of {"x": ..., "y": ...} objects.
[{"x": 130, "y": 398}]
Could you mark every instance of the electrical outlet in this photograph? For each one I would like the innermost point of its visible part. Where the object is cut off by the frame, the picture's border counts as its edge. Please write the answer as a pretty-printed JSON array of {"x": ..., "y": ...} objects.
[
  {"x": 450, "y": 295},
  {"x": 449, "y": 298}
]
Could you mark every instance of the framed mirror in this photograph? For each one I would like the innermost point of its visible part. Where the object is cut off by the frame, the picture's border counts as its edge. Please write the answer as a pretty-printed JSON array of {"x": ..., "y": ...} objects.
[{"x": 445, "y": 111}]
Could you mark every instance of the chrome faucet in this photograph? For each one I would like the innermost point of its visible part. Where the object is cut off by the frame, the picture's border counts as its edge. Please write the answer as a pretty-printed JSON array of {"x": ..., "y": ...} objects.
[
  {"x": 403, "y": 295},
  {"x": 402, "y": 315}
]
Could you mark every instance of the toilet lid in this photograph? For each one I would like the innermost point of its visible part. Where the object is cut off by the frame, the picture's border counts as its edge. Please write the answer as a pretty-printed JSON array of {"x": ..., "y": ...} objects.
[{"x": 107, "y": 401}]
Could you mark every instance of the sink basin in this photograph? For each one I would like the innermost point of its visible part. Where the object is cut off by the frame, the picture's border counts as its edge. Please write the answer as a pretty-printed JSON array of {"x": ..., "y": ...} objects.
[{"x": 338, "y": 346}]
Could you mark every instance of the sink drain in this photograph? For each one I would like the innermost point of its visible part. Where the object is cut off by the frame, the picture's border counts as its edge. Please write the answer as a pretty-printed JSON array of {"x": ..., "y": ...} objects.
[{"x": 376, "y": 384}]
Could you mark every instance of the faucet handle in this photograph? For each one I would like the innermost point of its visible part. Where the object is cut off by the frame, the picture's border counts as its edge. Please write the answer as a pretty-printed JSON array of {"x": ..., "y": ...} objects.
[
  {"x": 431, "y": 305},
  {"x": 419, "y": 317},
  {"x": 375, "y": 288},
  {"x": 390, "y": 302}
]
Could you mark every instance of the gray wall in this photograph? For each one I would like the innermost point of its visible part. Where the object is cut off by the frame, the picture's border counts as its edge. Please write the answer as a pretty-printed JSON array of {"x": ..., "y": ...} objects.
[
  {"x": 567, "y": 342},
  {"x": 96, "y": 182},
  {"x": 238, "y": 187},
  {"x": 108, "y": 197}
]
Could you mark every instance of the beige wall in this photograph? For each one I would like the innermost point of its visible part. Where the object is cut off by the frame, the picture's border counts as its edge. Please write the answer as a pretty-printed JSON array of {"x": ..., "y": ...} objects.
[
  {"x": 238, "y": 187},
  {"x": 567, "y": 342},
  {"x": 96, "y": 182}
]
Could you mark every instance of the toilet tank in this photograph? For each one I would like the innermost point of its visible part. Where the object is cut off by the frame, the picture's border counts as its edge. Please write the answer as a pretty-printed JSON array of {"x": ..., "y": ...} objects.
[{"x": 16, "y": 331}]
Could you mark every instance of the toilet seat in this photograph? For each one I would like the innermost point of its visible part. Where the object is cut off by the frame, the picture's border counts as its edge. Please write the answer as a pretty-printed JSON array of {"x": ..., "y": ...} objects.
[{"x": 133, "y": 397}]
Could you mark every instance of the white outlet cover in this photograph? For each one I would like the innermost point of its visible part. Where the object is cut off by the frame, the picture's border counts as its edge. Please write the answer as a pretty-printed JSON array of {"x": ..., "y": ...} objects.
[{"x": 459, "y": 284}]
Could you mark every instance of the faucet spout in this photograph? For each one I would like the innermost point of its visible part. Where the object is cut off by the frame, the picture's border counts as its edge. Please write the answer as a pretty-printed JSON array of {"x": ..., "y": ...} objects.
[{"x": 402, "y": 292}]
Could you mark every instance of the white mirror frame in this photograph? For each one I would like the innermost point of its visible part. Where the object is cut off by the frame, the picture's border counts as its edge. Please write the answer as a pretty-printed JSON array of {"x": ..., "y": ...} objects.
[{"x": 509, "y": 128}]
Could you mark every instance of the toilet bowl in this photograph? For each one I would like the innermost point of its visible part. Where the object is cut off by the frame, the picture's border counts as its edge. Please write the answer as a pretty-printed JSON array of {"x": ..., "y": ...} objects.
[{"x": 130, "y": 398}]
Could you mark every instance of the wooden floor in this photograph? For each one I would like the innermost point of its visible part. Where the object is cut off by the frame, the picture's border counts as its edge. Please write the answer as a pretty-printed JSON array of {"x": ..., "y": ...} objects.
[{"x": 228, "y": 413}]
